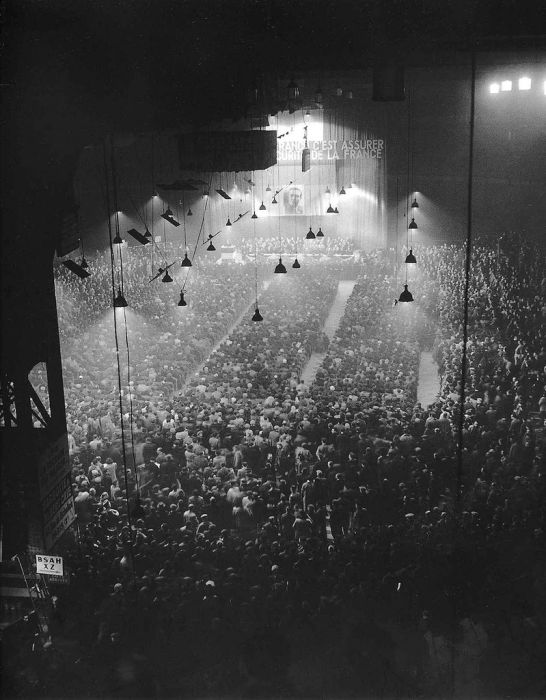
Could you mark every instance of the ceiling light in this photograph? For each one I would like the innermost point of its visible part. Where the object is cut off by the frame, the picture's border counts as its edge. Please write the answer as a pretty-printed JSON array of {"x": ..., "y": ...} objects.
[
  {"x": 310, "y": 235},
  {"x": 327, "y": 190},
  {"x": 274, "y": 200},
  {"x": 262, "y": 207},
  {"x": 147, "y": 234},
  {"x": 414, "y": 204},
  {"x": 406, "y": 295},
  {"x": 211, "y": 246},
  {"x": 342, "y": 190},
  {"x": 268, "y": 189},
  {"x": 166, "y": 277},
  {"x": 506, "y": 85},
  {"x": 190, "y": 213},
  {"x": 524, "y": 83},
  {"x": 336, "y": 211},
  {"x": 228, "y": 222},
  {"x": 257, "y": 317},
  {"x": 182, "y": 301},
  {"x": 330, "y": 210},
  {"x": 254, "y": 216},
  {"x": 319, "y": 233},
  {"x": 120, "y": 301},
  {"x": 412, "y": 224},
  {"x": 280, "y": 268},
  {"x": 186, "y": 262},
  {"x": 84, "y": 263},
  {"x": 296, "y": 264},
  {"x": 494, "y": 88},
  {"x": 168, "y": 212},
  {"x": 118, "y": 240},
  {"x": 410, "y": 258}
]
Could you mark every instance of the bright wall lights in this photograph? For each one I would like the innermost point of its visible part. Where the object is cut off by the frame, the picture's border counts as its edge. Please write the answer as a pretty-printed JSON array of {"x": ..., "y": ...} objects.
[
  {"x": 506, "y": 85},
  {"x": 524, "y": 83},
  {"x": 494, "y": 88}
]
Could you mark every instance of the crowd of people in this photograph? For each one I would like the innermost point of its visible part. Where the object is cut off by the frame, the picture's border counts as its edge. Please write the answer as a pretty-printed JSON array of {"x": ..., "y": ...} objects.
[{"x": 257, "y": 536}]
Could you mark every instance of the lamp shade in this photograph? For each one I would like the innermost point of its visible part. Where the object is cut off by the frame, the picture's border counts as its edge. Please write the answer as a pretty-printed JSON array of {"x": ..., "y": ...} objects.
[
  {"x": 410, "y": 258},
  {"x": 319, "y": 233},
  {"x": 280, "y": 268},
  {"x": 182, "y": 301},
  {"x": 186, "y": 262},
  {"x": 257, "y": 317},
  {"x": 406, "y": 295},
  {"x": 119, "y": 301},
  {"x": 296, "y": 264},
  {"x": 412, "y": 224},
  {"x": 310, "y": 235}
]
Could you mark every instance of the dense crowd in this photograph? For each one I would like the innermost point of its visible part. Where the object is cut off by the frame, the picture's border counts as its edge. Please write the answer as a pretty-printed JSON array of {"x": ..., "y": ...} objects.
[
  {"x": 325, "y": 245},
  {"x": 263, "y": 537}
]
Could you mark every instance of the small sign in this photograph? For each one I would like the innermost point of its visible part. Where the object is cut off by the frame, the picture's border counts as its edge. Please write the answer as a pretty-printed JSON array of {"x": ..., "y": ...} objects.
[{"x": 46, "y": 564}]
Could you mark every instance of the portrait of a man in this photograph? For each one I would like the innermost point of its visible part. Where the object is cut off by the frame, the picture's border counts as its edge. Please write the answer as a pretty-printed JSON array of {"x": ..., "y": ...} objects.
[{"x": 293, "y": 200}]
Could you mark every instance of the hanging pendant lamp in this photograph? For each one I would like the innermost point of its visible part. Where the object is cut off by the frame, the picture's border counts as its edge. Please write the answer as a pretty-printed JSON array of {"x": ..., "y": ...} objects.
[
  {"x": 257, "y": 317},
  {"x": 296, "y": 264},
  {"x": 190, "y": 213},
  {"x": 336, "y": 211},
  {"x": 268, "y": 189},
  {"x": 186, "y": 262},
  {"x": 280, "y": 268},
  {"x": 228, "y": 222},
  {"x": 274, "y": 200},
  {"x": 310, "y": 235},
  {"x": 330, "y": 210},
  {"x": 319, "y": 233},
  {"x": 118, "y": 240},
  {"x": 119, "y": 301},
  {"x": 166, "y": 277},
  {"x": 182, "y": 301},
  {"x": 406, "y": 295},
  {"x": 262, "y": 207},
  {"x": 342, "y": 190},
  {"x": 210, "y": 246},
  {"x": 254, "y": 216},
  {"x": 84, "y": 263},
  {"x": 414, "y": 204},
  {"x": 410, "y": 258},
  {"x": 412, "y": 225}
]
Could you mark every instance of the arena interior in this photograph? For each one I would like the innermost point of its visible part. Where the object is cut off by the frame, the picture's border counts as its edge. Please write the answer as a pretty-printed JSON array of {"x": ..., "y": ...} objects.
[{"x": 273, "y": 356}]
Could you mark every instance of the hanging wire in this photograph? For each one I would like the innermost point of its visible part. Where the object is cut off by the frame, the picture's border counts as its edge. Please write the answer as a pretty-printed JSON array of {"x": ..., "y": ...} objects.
[{"x": 118, "y": 364}]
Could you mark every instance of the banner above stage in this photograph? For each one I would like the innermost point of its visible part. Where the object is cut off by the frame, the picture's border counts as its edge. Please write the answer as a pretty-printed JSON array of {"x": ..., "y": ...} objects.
[
  {"x": 331, "y": 149},
  {"x": 228, "y": 151}
]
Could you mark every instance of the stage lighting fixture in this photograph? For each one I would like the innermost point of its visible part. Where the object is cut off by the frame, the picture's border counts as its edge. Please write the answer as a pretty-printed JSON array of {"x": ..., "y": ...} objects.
[
  {"x": 330, "y": 210},
  {"x": 310, "y": 235},
  {"x": 228, "y": 222},
  {"x": 76, "y": 269},
  {"x": 118, "y": 240},
  {"x": 257, "y": 317},
  {"x": 414, "y": 204},
  {"x": 190, "y": 213},
  {"x": 410, "y": 258},
  {"x": 168, "y": 217},
  {"x": 182, "y": 301},
  {"x": 406, "y": 295},
  {"x": 166, "y": 277},
  {"x": 120, "y": 301},
  {"x": 524, "y": 83},
  {"x": 262, "y": 207},
  {"x": 506, "y": 85},
  {"x": 211, "y": 246},
  {"x": 186, "y": 262},
  {"x": 254, "y": 215},
  {"x": 336, "y": 211},
  {"x": 140, "y": 237},
  {"x": 274, "y": 200},
  {"x": 494, "y": 88},
  {"x": 296, "y": 264},
  {"x": 319, "y": 233},
  {"x": 412, "y": 224},
  {"x": 342, "y": 190},
  {"x": 84, "y": 263},
  {"x": 280, "y": 268},
  {"x": 268, "y": 189}
]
